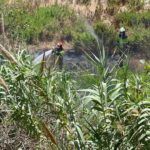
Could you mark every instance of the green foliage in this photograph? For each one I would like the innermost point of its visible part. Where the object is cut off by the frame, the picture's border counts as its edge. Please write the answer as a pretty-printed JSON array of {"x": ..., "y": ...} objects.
[
  {"x": 39, "y": 24},
  {"x": 106, "y": 34},
  {"x": 120, "y": 106},
  {"x": 2, "y": 2},
  {"x": 141, "y": 35},
  {"x": 147, "y": 67},
  {"x": 83, "y": 40},
  {"x": 133, "y": 19},
  {"x": 110, "y": 111},
  {"x": 135, "y": 5},
  {"x": 107, "y": 109},
  {"x": 137, "y": 41}
]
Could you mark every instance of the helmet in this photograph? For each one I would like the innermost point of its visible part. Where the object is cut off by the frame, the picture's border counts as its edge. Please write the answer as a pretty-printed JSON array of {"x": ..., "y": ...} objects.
[{"x": 122, "y": 29}]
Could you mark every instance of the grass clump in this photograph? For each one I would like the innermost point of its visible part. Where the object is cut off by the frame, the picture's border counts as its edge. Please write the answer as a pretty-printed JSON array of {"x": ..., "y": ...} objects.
[
  {"x": 106, "y": 34},
  {"x": 84, "y": 39},
  {"x": 133, "y": 19}
]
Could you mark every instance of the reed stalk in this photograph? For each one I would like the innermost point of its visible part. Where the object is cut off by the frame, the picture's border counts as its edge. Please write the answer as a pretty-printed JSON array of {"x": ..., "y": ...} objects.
[
  {"x": 7, "y": 55},
  {"x": 3, "y": 84}
]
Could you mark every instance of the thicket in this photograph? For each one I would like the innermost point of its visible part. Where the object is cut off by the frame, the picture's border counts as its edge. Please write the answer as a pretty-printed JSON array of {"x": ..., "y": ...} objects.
[{"x": 53, "y": 107}]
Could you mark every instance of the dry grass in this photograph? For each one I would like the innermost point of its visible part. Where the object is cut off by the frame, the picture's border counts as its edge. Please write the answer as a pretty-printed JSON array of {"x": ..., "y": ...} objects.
[
  {"x": 7, "y": 54},
  {"x": 3, "y": 84}
]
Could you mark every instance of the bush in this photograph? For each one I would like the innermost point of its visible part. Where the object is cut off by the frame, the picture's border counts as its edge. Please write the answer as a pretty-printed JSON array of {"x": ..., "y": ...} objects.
[
  {"x": 106, "y": 34},
  {"x": 84, "y": 42},
  {"x": 133, "y": 5},
  {"x": 90, "y": 37},
  {"x": 133, "y": 19}
]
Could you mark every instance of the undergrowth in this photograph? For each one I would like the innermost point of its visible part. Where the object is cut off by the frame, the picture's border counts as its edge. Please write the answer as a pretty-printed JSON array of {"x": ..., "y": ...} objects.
[
  {"x": 133, "y": 19},
  {"x": 38, "y": 24},
  {"x": 110, "y": 110}
]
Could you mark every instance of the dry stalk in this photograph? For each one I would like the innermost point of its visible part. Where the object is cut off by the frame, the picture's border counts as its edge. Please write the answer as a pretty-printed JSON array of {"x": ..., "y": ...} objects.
[
  {"x": 7, "y": 55},
  {"x": 3, "y": 27},
  {"x": 3, "y": 84}
]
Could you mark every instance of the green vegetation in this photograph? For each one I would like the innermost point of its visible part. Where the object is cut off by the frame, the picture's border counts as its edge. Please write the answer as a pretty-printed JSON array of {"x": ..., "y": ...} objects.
[
  {"x": 111, "y": 111},
  {"x": 137, "y": 25},
  {"x": 59, "y": 22},
  {"x": 135, "y": 5},
  {"x": 39, "y": 24},
  {"x": 45, "y": 24},
  {"x": 106, "y": 33},
  {"x": 133, "y": 19},
  {"x": 47, "y": 108}
]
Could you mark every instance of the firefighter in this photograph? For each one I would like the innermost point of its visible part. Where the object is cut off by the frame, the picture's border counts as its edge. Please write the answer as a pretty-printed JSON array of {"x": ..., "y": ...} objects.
[
  {"x": 58, "y": 52},
  {"x": 122, "y": 33}
]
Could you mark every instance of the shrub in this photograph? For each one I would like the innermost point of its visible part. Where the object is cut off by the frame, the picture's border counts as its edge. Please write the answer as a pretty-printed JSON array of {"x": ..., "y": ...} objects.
[
  {"x": 106, "y": 34},
  {"x": 133, "y": 19},
  {"x": 91, "y": 37}
]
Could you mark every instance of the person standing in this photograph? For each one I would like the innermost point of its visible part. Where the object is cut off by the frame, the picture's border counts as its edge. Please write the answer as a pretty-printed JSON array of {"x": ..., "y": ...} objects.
[
  {"x": 58, "y": 52},
  {"x": 122, "y": 38}
]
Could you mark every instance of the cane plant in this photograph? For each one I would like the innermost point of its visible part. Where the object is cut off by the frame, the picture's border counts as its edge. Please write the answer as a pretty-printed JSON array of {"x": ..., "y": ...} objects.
[{"x": 112, "y": 112}]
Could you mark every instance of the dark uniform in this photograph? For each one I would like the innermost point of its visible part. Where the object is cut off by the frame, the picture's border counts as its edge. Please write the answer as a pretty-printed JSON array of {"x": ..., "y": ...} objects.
[
  {"x": 122, "y": 42},
  {"x": 57, "y": 51},
  {"x": 122, "y": 33}
]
